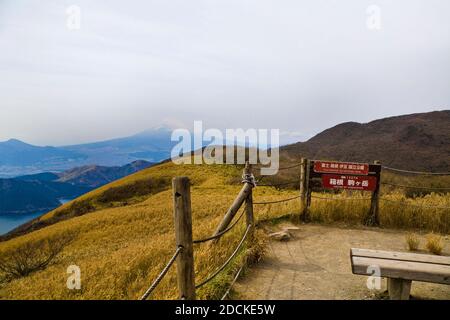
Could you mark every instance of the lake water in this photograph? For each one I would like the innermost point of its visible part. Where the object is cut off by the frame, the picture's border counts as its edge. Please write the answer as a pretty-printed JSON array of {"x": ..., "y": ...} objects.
[
  {"x": 64, "y": 200},
  {"x": 9, "y": 222}
]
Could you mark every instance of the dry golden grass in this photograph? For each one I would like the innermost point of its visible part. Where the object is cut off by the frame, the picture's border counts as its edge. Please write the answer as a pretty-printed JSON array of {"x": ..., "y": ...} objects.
[
  {"x": 396, "y": 211},
  {"x": 401, "y": 208},
  {"x": 412, "y": 241},
  {"x": 120, "y": 250},
  {"x": 123, "y": 245},
  {"x": 434, "y": 243}
]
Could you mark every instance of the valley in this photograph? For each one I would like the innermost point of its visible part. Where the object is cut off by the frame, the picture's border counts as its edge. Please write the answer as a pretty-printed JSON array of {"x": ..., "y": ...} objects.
[{"x": 26, "y": 197}]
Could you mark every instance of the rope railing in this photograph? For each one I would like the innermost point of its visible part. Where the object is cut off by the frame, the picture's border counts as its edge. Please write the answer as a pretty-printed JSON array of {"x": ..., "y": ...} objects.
[
  {"x": 276, "y": 201},
  {"x": 290, "y": 167},
  {"x": 184, "y": 224},
  {"x": 220, "y": 234},
  {"x": 259, "y": 179},
  {"x": 340, "y": 198},
  {"x": 414, "y": 205},
  {"x": 215, "y": 273},
  {"x": 232, "y": 283},
  {"x": 278, "y": 184},
  {"x": 414, "y": 187},
  {"x": 227, "y": 261},
  {"x": 417, "y": 172},
  {"x": 162, "y": 274}
]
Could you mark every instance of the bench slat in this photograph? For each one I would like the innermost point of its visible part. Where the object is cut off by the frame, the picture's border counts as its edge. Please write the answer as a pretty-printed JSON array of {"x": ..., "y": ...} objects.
[
  {"x": 401, "y": 269},
  {"x": 401, "y": 256}
]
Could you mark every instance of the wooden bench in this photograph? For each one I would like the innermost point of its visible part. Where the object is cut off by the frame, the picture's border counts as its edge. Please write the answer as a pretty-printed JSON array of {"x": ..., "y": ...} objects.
[{"x": 401, "y": 268}]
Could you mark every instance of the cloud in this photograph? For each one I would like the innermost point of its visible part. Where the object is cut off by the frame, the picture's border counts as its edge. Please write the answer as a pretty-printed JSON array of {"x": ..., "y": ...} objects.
[{"x": 297, "y": 66}]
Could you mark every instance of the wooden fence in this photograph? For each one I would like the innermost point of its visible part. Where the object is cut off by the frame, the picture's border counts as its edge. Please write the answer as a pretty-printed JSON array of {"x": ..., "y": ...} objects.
[
  {"x": 308, "y": 181},
  {"x": 184, "y": 255}
]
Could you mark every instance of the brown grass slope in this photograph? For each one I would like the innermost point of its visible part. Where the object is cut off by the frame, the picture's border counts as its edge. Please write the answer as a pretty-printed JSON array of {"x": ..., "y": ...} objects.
[
  {"x": 121, "y": 240},
  {"x": 415, "y": 142},
  {"x": 121, "y": 235}
]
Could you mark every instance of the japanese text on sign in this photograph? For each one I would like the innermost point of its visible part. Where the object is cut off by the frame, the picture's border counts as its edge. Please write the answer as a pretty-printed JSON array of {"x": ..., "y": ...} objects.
[
  {"x": 331, "y": 181},
  {"x": 341, "y": 167}
]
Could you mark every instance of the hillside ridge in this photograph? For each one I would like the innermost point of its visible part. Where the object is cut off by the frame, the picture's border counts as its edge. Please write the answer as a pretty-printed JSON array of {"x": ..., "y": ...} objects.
[{"x": 419, "y": 141}]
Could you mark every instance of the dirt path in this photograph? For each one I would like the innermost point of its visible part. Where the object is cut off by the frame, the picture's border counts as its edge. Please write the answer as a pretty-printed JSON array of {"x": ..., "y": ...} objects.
[{"x": 315, "y": 264}]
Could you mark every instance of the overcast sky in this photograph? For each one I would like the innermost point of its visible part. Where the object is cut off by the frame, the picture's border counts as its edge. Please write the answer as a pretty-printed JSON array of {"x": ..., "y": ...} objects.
[{"x": 300, "y": 66}]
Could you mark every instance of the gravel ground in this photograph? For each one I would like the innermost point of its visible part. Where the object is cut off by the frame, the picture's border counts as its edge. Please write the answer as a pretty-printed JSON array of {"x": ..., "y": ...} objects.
[{"x": 315, "y": 264}]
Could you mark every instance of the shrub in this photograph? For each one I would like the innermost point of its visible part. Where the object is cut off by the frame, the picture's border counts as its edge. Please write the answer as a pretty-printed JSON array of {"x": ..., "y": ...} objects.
[
  {"x": 257, "y": 250},
  {"x": 77, "y": 208},
  {"x": 21, "y": 260},
  {"x": 412, "y": 241},
  {"x": 135, "y": 189},
  {"x": 434, "y": 243}
]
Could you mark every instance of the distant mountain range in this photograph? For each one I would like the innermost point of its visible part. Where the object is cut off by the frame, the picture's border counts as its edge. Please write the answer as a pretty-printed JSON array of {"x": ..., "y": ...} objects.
[
  {"x": 95, "y": 176},
  {"x": 418, "y": 141},
  {"x": 19, "y": 158},
  {"x": 415, "y": 141},
  {"x": 153, "y": 145},
  {"x": 17, "y": 153},
  {"x": 44, "y": 191}
]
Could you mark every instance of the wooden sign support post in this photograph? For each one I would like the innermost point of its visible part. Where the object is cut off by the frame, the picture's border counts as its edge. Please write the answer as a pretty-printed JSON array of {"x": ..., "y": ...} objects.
[
  {"x": 373, "y": 218},
  {"x": 183, "y": 233},
  {"x": 308, "y": 189},
  {"x": 338, "y": 175},
  {"x": 304, "y": 189}
]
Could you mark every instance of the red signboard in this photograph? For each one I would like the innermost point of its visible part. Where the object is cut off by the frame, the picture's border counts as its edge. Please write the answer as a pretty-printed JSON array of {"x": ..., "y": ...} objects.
[
  {"x": 335, "y": 181},
  {"x": 341, "y": 167}
]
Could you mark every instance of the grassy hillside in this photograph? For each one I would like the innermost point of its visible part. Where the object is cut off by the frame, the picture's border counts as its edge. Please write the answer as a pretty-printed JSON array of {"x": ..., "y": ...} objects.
[
  {"x": 121, "y": 235},
  {"x": 120, "y": 249}
]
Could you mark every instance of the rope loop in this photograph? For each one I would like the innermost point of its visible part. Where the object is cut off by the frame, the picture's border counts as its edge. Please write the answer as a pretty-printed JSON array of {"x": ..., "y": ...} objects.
[{"x": 249, "y": 178}]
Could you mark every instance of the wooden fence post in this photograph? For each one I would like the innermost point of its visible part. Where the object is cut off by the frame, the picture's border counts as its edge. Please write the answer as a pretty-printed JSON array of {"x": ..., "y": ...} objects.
[
  {"x": 308, "y": 189},
  {"x": 305, "y": 195},
  {"x": 183, "y": 233},
  {"x": 249, "y": 201},
  {"x": 249, "y": 210},
  {"x": 302, "y": 187},
  {"x": 235, "y": 206},
  {"x": 373, "y": 218}
]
